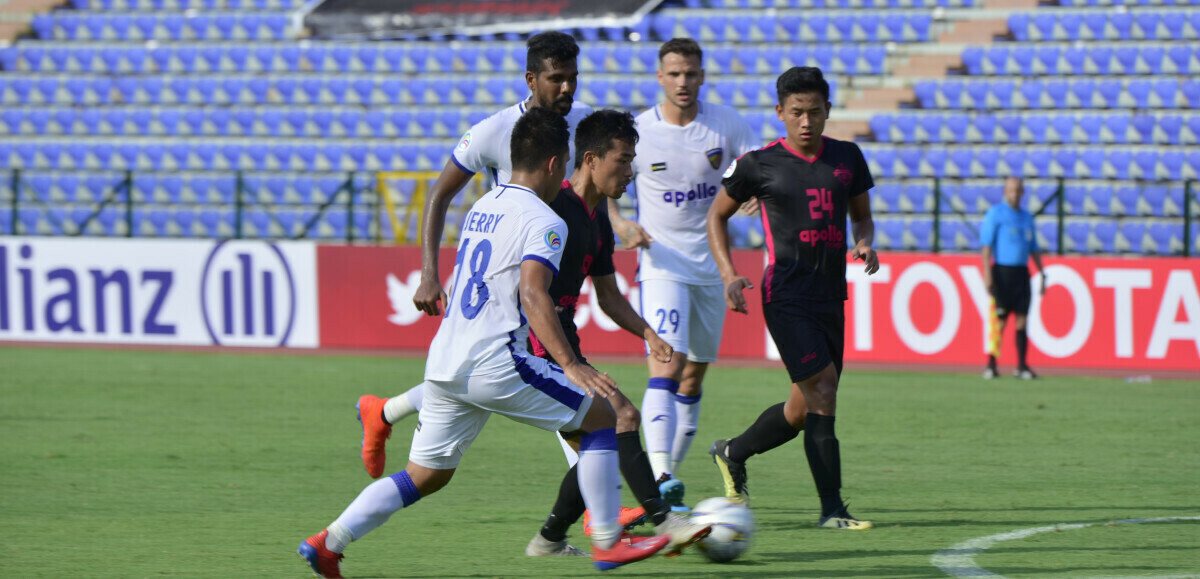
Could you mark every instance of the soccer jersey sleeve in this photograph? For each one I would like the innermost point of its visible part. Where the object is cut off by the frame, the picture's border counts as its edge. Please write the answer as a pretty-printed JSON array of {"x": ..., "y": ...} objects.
[
  {"x": 863, "y": 181},
  {"x": 987, "y": 232},
  {"x": 545, "y": 238},
  {"x": 741, "y": 179},
  {"x": 474, "y": 152},
  {"x": 744, "y": 140}
]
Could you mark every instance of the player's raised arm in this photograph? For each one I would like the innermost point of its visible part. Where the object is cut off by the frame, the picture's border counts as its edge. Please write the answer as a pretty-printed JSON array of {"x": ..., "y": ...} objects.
[
  {"x": 616, "y": 307},
  {"x": 539, "y": 309},
  {"x": 722, "y": 209},
  {"x": 864, "y": 231},
  {"x": 433, "y": 221}
]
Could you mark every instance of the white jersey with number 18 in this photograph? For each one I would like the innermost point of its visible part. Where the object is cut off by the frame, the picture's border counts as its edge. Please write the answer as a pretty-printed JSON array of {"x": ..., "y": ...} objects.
[
  {"x": 483, "y": 327},
  {"x": 678, "y": 175}
]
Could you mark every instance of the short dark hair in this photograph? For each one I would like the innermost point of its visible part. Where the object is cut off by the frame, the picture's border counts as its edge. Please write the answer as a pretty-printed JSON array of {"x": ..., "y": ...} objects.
[
  {"x": 556, "y": 46},
  {"x": 683, "y": 47},
  {"x": 801, "y": 79},
  {"x": 539, "y": 134},
  {"x": 597, "y": 131}
]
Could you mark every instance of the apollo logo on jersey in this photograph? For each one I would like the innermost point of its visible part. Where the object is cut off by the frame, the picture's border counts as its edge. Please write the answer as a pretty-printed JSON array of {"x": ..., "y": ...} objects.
[
  {"x": 553, "y": 240},
  {"x": 697, "y": 193},
  {"x": 830, "y": 236}
]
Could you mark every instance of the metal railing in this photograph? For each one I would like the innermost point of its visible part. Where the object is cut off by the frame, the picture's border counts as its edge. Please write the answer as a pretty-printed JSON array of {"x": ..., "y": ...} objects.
[{"x": 375, "y": 197}]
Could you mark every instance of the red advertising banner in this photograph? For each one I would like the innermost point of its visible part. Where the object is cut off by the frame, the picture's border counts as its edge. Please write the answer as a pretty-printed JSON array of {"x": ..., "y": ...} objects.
[{"x": 1110, "y": 313}]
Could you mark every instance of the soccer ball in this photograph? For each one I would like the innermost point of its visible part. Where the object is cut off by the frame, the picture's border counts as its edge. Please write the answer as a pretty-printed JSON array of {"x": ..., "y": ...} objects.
[{"x": 732, "y": 526}]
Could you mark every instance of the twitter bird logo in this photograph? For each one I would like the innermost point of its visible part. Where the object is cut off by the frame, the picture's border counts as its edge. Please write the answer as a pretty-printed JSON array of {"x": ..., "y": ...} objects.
[{"x": 404, "y": 313}]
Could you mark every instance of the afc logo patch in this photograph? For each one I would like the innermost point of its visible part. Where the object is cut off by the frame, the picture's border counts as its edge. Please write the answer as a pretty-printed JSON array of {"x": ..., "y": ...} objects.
[
  {"x": 844, "y": 175},
  {"x": 715, "y": 156},
  {"x": 553, "y": 240}
]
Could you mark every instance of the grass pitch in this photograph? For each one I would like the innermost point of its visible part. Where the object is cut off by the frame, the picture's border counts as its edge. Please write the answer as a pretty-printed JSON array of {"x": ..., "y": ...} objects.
[{"x": 147, "y": 464}]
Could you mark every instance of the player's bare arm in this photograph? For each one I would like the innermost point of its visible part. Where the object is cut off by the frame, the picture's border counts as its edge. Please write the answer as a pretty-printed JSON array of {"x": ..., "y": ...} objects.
[
  {"x": 864, "y": 231},
  {"x": 722, "y": 209},
  {"x": 539, "y": 308},
  {"x": 987, "y": 268},
  {"x": 628, "y": 231},
  {"x": 433, "y": 221},
  {"x": 615, "y": 306}
]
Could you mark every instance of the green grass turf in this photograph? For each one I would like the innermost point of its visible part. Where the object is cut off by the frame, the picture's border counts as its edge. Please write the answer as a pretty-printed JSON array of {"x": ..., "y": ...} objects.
[{"x": 146, "y": 464}]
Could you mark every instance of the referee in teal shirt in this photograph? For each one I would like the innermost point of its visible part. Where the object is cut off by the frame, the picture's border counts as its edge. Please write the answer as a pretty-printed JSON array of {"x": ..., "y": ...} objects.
[{"x": 1008, "y": 240}]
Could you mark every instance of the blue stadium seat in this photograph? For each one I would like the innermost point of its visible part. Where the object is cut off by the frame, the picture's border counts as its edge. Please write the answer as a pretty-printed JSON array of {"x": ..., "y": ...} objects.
[
  {"x": 1133, "y": 233},
  {"x": 1173, "y": 161},
  {"x": 1152, "y": 56},
  {"x": 1119, "y": 160},
  {"x": 972, "y": 58},
  {"x": 881, "y": 126},
  {"x": 1014, "y": 158},
  {"x": 926, "y": 91},
  {"x": 921, "y": 230},
  {"x": 1144, "y": 125},
  {"x": 931, "y": 124},
  {"x": 1164, "y": 236}
]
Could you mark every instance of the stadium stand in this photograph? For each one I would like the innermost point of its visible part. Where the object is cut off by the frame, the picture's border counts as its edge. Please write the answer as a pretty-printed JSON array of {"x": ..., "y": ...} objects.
[{"x": 221, "y": 106}]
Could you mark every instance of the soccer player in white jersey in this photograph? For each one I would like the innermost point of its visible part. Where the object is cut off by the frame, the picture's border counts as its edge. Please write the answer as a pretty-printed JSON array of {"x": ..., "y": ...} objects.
[
  {"x": 686, "y": 145},
  {"x": 552, "y": 73},
  {"x": 478, "y": 365}
]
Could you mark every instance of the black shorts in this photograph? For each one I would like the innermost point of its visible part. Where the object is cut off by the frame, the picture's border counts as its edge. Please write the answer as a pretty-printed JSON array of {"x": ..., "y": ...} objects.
[
  {"x": 1010, "y": 287},
  {"x": 809, "y": 335},
  {"x": 568, "y": 325}
]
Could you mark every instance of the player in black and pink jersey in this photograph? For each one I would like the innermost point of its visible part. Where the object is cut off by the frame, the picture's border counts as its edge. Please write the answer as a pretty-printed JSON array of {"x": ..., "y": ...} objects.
[
  {"x": 604, "y": 146},
  {"x": 805, "y": 184}
]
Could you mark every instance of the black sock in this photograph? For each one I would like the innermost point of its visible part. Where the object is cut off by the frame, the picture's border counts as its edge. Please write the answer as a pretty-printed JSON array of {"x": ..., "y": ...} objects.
[
  {"x": 635, "y": 467},
  {"x": 567, "y": 508},
  {"x": 769, "y": 431},
  {"x": 824, "y": 460},
  {"x": 991, "y": 361},
  {"x": 1022, "y": 346}
]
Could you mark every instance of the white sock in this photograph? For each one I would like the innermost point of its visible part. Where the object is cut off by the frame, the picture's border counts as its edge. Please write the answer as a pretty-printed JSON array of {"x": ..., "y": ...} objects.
[
  {"x": 658, "y": 422},
  {"x": 339, "y": 536},
  {"x": 397, "y": 408},
  {"x": 687, "y": 409},
  {"x": 660, "y": 463},
  {"x": 599, "y": 483},
  {"x": 572, "y": 456},
  {"x": 373, "y": 506}
]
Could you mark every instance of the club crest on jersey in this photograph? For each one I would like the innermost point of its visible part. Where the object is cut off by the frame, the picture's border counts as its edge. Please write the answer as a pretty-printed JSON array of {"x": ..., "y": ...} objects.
[
  {"x": 656, "y": 167},
  {"x": 553, "y": 240},
  {"x": 844, "y": 175},
  {"x": 464, "y": 143},
  {"x": 730, "y": 170},
  {"x": 715, "y": 156}
]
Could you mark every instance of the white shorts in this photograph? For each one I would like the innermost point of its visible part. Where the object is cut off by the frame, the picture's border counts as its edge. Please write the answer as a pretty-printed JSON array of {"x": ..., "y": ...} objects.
[
  {"x": 533, "y": 392},
  {"x": 688, "y": 317}
]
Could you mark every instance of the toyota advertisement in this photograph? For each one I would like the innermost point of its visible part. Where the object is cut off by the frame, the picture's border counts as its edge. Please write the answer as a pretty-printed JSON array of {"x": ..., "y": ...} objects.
[{"x": 1104, "y": 313}]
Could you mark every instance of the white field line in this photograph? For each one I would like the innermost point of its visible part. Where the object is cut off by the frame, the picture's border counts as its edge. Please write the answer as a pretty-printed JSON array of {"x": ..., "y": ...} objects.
[{"x": 959, "y": 560}]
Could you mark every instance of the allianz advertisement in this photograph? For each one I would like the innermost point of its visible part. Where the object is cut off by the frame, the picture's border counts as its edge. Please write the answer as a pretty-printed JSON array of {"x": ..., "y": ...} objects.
[{"x": 187, "y": 293}]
